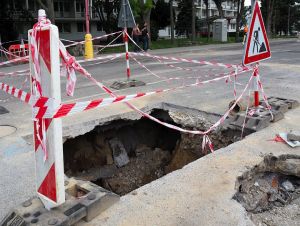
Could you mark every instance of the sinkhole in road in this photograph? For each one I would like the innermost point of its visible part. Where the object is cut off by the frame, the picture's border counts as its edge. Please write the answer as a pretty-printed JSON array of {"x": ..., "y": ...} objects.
[
  {"x": 123, "y": 155},
  {"x": 270, "y": 191}
]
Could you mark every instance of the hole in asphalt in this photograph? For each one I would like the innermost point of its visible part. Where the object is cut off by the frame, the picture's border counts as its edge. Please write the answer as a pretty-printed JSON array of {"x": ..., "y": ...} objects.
[
  {"x": 3, "y": 110},
  {"x": 25, "y": 215},
  {"x": 34, "y": 221},
  {"x": 270, "y": 192},
  {"x": 123, "y": 155},
  {"x": 6, "y": 130}
]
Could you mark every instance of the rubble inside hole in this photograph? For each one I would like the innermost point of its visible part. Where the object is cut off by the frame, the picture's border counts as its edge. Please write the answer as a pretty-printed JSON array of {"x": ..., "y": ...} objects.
[
  {"x": 270, "y": 192},
  {"x": 123, "y": 155}
]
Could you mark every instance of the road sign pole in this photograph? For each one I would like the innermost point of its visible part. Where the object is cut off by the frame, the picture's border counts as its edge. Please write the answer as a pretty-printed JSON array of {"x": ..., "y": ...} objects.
[
  {"x": 48, "y": 145},
  {"x": 256, "y": 90},
  {"x": 127, "y": 54},
  {"x": 125, "y": 37}
]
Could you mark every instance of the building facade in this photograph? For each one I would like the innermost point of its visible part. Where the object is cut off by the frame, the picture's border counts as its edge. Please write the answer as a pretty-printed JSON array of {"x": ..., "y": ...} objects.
[
  {"x": 229, "y": 11},
  {"x": 69, "y": 18}
]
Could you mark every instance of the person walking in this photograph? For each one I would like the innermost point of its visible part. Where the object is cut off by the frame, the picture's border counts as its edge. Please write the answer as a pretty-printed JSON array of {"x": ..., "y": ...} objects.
[
  {"x": 136, "y": 34},
  {"x": 145, "y": 37}
]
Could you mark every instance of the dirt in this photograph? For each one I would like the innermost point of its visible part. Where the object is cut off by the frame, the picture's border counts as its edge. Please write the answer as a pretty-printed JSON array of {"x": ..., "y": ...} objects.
[
  {"x": 126, "y": 154},
  {"x": 146, "y": 167},
  {"x": 270, "y": 192}
]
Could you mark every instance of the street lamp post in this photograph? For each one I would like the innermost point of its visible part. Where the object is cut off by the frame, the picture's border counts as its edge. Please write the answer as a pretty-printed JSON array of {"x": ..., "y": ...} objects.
[{"x": 89, "y": 52}]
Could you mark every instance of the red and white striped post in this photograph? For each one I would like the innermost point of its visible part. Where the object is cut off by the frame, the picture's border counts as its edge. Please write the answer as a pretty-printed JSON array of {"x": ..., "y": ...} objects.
[
  {"x": 45, "y": 81},
  {"x": 256, "y": 88},
  {"x": 125, "y": 37}
]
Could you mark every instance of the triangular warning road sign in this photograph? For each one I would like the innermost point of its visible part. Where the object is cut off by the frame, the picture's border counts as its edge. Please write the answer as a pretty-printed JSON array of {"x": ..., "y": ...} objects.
[
  {"x": 126, "y": 18},
  {"x": 257, "y": 44}
]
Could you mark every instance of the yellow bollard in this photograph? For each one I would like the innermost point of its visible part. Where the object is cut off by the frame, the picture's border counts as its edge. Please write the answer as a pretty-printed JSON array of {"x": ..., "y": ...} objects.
[{"x": 88, "y": 50}]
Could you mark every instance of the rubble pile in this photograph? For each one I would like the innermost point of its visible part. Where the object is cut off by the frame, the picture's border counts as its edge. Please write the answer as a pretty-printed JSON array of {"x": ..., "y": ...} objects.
[{"x": 270, "y": 188}]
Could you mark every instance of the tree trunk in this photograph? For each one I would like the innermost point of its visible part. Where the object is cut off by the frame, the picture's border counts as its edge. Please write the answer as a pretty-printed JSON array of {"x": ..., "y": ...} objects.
[
  {"x": 240, "y": 11},
  {"x": 51, "y": 14},
  {"x": 274, "y": 22},
  {"x": 48, "y": 6},
  {"x": 207, "y": 20},
  {"x": 270, "y": 6},
  {"x": 172, "y": 21},
  {"x": 146, "y": 17},
  {"x": 193, "y": 21},
  {"x": 220, "y": 8}
]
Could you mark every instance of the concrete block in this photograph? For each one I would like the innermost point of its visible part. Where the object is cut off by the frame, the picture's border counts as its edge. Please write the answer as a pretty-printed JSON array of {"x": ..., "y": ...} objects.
[
  {"x": 84, "y": 200},
  {"x": 293, "y": 136},
  {"x": 119, "y": 152}
]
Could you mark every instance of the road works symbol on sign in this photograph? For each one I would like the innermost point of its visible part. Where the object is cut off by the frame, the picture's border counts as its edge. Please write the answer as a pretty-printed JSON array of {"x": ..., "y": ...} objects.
[{"x": 257, "y": 45}]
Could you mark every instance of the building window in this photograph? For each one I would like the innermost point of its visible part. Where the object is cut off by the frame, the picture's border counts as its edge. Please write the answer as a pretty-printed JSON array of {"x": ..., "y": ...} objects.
[
  {"x": 99, "y": 27},
  {"x": 80, "y": 27},
  {"x": 31, "y": 5},
  {"x": 64, "y": 27},
  {"x": 58, "y": 6},
  {"x": 80, "y": 6},
  {"x": 67, "y": 6}
]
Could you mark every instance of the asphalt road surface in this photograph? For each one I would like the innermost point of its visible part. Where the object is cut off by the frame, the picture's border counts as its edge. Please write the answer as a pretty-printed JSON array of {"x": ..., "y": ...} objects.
[{"x": 280, "y": 76}]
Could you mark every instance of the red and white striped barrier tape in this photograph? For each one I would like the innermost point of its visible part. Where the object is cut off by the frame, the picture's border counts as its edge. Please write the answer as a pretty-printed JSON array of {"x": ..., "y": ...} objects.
[
  {"x": 110, "y": 46},
  {"x": 178, "y": 59},
  {"x": 110, "y": 43},
  {"x": 236, "y": 71},
  {"x": 15, "y": 60},
  {"x": 41, "y": 109},
  {"x": 111, "y": 56},
  {"x": 28, "y": 98},
  {"x": 105, "y": 61},
  {"x": 21, "y": 72},
  {"x": 72, "y": 108},
  {"x": 95, "y": 38}
]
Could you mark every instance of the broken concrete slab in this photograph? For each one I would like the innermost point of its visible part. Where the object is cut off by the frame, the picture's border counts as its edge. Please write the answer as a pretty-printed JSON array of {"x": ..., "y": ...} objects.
[
  {"x": 209, "y": 181},
  {"x": 119, "y": 152},
  {"x": 84, "y": 200}
]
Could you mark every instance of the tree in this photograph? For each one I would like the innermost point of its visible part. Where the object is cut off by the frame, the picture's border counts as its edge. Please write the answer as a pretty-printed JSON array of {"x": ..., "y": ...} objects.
[
  {"x": 160, "y": 17},
  {"x": 275, "y": 14},
  {"x": 172, "y": 21},
  {"x": 142, "y": 9},
  {"x": 161, "y": 14},
  {"x": 240, "y": 13},
  {"x": 105, "y": 10},
  {"x": 184, "y": 18},
  {"x": 219, "y": 7},
  {"x": 48, "y": 6},
  {"x": 207, "y": 18},
  {"x": 193, "y": 21}
]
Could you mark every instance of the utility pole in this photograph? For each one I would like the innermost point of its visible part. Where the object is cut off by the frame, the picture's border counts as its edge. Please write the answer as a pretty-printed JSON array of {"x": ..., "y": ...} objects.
[
  {"x": 172, "y": 21},
  {"x": 89, "y": 51},
  {"x": 193, "y": 21}
]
